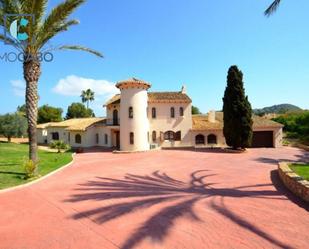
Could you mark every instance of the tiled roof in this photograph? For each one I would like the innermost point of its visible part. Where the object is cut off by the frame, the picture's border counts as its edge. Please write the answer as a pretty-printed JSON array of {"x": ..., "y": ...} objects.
[
  {"x": 168, "y": 96},
  {"x": 113, "y": 100},
  {"x": 43, "y": 126},
  {"x": 200, "y": 122},
  {"x": 260, "y": 122},
  {"x": 75, "y": 124},
  {"x": 154, "y": 97},
  {"x": 133, "y": 82}
]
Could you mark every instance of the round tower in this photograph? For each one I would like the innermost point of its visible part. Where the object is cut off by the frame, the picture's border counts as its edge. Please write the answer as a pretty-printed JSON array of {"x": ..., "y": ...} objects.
[{"x": 134, "y": 124}]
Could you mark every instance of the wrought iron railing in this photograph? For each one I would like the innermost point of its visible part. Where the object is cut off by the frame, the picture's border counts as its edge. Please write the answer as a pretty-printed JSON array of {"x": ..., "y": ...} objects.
[{"x": 113, "y": 121}]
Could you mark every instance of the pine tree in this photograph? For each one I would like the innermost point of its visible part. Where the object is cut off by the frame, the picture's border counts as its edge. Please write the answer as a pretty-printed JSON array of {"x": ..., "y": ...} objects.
[{"x": 237, "y": 111}]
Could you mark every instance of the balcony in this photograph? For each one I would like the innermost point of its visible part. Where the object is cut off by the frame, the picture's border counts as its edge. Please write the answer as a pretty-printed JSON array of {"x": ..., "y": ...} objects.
[{"x": 114, "y": 122}]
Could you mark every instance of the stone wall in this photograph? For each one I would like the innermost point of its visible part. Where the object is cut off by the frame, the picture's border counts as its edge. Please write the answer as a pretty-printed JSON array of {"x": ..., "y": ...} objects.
[{"x": 294, "y": 182}]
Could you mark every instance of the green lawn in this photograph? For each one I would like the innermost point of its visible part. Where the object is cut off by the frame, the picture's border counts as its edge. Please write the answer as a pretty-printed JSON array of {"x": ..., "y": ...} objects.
[
  {"x": 301, "y": 170},
  {"x": 12, "y": 157}
]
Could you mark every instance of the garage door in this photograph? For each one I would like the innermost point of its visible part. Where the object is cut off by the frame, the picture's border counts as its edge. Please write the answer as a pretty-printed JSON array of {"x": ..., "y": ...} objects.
[{"x": 262, "y": 139}]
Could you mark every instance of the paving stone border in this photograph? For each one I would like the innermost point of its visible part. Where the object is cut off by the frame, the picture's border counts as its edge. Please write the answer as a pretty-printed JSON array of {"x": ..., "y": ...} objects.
[
  {"x": 294, "y": 182},
  {"x": 134, "y": 151}
]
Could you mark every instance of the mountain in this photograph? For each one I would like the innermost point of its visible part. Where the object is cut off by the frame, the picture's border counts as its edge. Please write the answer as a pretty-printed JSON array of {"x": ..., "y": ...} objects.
[{"x": 278, "y": 109}]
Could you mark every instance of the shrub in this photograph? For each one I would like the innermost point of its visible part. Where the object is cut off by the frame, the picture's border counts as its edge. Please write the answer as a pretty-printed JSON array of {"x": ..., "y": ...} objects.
[
  {"x": 296, "y": 125},
  {"x": 59, "y": 145},
  {"x": 30, "y": 168}
]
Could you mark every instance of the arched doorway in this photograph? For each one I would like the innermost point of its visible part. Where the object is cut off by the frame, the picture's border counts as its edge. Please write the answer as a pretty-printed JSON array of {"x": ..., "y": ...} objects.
[
  {"x": 115, "y": 117},
  {"x": 212, "y": 139},
  {"x": 199, "y": 139}
]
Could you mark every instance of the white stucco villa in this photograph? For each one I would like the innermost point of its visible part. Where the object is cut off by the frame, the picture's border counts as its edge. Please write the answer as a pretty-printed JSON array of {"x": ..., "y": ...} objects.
[{"x": 139, "y": 120}]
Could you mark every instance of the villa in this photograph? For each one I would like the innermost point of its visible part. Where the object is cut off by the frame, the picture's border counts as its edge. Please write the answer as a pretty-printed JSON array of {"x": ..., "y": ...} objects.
[{"x": 138, "y": 120}]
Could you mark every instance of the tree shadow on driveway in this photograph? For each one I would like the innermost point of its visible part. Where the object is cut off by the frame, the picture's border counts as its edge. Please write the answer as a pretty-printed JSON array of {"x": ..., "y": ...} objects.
[
  {"x": 274, "y": 176},
  {"x": 159, "y": 188},
  {"x": 303, "y": 157}
]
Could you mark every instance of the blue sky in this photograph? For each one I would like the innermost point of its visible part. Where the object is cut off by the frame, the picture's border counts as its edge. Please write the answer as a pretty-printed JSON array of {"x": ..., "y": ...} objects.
[{"x": 174, "y": 42}]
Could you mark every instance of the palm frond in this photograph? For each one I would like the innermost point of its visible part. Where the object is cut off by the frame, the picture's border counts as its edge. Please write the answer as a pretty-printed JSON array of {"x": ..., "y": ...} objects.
[
  {"x": 56, "y": 18},
  {"x": 8, "y": 7},
  {"x": 11, "y": 42},
  {"x": 37, "y": 8},
  {"x": 272, "y": 8},
  {"x": 81, "y": 48},
  {"x": 52, "y": 33}
]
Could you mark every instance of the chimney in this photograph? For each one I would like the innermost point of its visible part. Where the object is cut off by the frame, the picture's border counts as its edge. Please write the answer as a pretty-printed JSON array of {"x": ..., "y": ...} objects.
[
  {"x": 212, "y": 116},
  {"x": 183, "y": 89}
]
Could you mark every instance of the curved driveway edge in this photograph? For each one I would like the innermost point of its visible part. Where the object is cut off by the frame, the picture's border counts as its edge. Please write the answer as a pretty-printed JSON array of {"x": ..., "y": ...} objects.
[
  {"x": 164, "y": 199},
  {"x": 293, "y": 181}
]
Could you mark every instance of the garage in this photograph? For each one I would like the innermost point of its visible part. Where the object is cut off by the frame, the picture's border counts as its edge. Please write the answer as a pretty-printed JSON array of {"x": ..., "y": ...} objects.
[{"x": 262, "y": 139}]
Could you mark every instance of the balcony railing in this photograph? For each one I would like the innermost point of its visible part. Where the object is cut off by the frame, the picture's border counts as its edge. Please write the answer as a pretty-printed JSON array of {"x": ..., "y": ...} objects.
[{"x": 113, "y": 121}]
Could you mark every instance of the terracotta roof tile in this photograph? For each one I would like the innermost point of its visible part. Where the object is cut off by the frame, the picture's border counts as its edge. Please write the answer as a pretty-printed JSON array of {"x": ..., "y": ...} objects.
[
  {"x": 43, "y": 126},
  {"x": 168, "y": 96},
  {"x": 154, "y": 97},
  {"x": 75, "y": 124},
  {"x": 133, "y": 82},
  {"x": 200, "y": 122},
  {"x": 113, "y": 100}
]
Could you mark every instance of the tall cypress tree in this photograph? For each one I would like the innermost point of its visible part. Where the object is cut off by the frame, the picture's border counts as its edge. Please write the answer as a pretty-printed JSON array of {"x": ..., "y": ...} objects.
[{"x": 237, "y": 111}]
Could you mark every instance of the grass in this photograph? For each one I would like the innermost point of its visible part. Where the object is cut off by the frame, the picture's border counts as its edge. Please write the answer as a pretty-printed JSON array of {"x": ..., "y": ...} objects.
[
  {"x": 12, "y": 157},
  {"x": 301, "y": 170}
]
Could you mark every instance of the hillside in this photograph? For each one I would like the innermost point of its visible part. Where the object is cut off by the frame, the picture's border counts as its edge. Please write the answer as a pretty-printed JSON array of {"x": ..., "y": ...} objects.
[{"x": 279, "y": 109}]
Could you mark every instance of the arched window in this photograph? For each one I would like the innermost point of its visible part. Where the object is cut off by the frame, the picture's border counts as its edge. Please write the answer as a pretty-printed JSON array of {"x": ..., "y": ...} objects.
[
  {"x": 130, "y": 112},
  {"x": 169, "y": 135},
  {"x": 199, "y": 139},
  {"x": 181, "y": 111},
  {"x": 97, "y": 138},
  {"x": 105, "y": 139},
  {"x": 78, "y": 139},
  {"x": 115, "y": 117},
  {"x": 131, "y": 138},
  {"x": 172, "y": 112},
  {"x": 154, "y": 136},
  {"x": 55, "y": 136},
  {"x": 153, "y": 112},
  {"x": 212, "y": 139}
]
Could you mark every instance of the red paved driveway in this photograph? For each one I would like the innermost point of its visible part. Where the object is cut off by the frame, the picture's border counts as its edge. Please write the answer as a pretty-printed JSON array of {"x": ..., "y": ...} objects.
[{"x": 163, "y": 199}]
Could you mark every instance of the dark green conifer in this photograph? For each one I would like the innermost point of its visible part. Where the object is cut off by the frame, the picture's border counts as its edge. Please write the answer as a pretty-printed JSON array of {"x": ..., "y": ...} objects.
[{"x": 237, "y": 112}]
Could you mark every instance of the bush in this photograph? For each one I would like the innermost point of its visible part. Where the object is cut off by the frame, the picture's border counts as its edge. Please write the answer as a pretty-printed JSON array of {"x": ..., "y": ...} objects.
[
  {"x": 296, "y": 125},
  {"x": 59, "y": 145},
  {"x": 30, "y": 168}
]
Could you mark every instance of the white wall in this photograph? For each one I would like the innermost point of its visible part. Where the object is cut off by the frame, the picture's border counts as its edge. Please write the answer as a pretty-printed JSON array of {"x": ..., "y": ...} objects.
[
  {"x": 163, "y": 122},
  {"x": 63, "y": 134},
  {"x": 139, "y": 124},
  {"x": 89, "y": 137},
  {"x": 219, "y": 134},
  {"x": 42, "y": 135},
  {"x": 109, "y": 112}
]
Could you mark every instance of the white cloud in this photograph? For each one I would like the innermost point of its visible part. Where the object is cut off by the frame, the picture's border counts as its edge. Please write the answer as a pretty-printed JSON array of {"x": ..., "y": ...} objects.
[
  {"x": 72, "y": 85},
  {"x": 19, "y": 87}
]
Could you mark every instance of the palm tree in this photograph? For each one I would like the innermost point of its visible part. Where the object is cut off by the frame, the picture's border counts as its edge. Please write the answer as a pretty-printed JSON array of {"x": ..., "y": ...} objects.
[
  {"x": 272, "y": 8},
  {"x": 42, "y": 29},
  {"x": 87, "y": 96}
]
